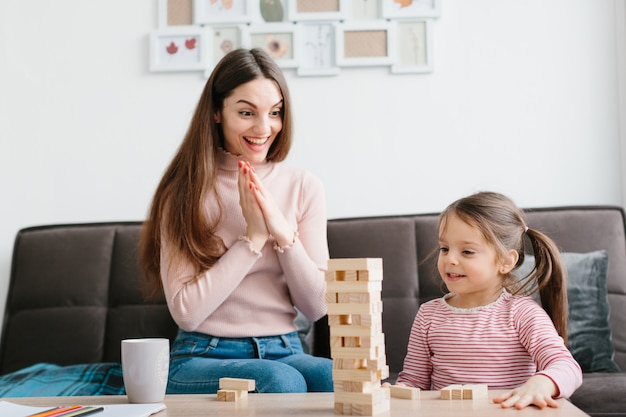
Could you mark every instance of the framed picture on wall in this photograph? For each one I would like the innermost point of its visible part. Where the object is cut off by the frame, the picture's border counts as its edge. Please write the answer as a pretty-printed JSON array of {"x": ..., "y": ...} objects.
[
  {"x": 364, "y": 9},
  {"x": 272, "y": 11},
  {"x": 178, "y": 48},
  {"x": 414, "y": 40},
  {"x": 302, "y": 10},
  {"x": 317, "y": 49},
  {"x": 278, "y": 40},
  {"x": 222, "y": 40},
  {"x": 398, "y": 9},
  {"x": 365, "y": 43},
  {"x": 223, "y": 11},
  {"x": 175, "y": 12}
]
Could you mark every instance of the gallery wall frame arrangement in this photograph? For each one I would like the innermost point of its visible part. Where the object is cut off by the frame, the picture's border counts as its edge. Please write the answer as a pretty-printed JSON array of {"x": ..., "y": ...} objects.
[{"x": 314, "y": 37}]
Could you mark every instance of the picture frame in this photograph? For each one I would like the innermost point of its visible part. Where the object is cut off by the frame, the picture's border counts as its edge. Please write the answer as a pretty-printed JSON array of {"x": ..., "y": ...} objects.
[
  {"x": 174, "y": 13},
  {"x": 223, "y": 12},
  {"x": 364, "y": 9},
  {"x": 178, "y": 48},
  {"x": 407, "y": 9},
  {"x": 365, "y": 43},
  {"x": 317, "y": 46},
  {"x": 320, "y": 10},
  {"x": 271, "y": 11},
  {"x": 220, "y": 41},
  {"x": 414, "y": 46},
  {"x": 279, "y": 40}
]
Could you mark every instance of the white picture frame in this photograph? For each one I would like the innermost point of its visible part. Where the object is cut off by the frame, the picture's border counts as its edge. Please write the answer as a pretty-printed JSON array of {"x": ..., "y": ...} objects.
[
  {"x": 317, "y": 49},
  {"x": 269, "y": 11},
  {"x": 365, "y": 43},
  {"x": 392, "y": 9},
  {"x": 163, "y": 13},
  {"x": 218, "y": 12},
  {"x": 178, "y": 48},
  {"x": 414, "y": 46},
  {"x": 279, "y": 40},
  {"x": 220, "y": 41},
  {"x": 364, "y": 9},
  {"x": 331, "y": 13}
]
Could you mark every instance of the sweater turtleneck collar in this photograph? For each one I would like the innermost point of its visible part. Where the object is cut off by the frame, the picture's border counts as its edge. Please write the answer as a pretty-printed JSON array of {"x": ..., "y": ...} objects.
[{"x": 230, "y": 162}]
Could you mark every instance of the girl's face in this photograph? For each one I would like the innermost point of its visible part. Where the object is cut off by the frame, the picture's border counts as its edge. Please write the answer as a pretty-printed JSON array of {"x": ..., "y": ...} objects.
[
  {"x": 251, "y": 118},
  {"x": 468, "y": 264}
]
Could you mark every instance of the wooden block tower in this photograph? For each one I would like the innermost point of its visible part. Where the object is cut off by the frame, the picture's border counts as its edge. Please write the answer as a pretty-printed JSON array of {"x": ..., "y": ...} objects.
[{"x": 357, "y": 342}]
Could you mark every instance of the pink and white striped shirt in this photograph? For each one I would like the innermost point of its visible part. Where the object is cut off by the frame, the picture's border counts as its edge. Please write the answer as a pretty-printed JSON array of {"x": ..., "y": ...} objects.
[{"x": 502, "y": 345}]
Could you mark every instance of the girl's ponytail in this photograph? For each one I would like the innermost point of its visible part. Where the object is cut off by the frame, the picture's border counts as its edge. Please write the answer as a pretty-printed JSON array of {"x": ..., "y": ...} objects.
[{"x": 550, "y": 277}]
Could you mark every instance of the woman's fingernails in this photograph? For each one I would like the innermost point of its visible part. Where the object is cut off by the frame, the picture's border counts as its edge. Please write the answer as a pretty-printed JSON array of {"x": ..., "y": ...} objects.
[{"x": 240, "y": 164}]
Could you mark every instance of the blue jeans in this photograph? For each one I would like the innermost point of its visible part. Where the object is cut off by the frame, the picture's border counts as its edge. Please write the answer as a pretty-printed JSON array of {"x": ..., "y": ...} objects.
[{"x": 276, "y": 363}]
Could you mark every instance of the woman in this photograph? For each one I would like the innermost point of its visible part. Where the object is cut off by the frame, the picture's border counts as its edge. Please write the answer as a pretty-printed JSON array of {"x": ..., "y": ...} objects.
[{"x": 236, "y": 240}]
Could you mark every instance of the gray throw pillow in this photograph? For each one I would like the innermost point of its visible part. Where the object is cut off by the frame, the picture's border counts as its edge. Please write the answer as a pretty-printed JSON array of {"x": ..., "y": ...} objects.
[{"x": 588, "y": 327}]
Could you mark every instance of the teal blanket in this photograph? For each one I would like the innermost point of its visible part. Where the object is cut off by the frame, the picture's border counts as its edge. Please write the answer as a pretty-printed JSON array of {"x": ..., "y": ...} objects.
[{"x": 48, "y": 380}]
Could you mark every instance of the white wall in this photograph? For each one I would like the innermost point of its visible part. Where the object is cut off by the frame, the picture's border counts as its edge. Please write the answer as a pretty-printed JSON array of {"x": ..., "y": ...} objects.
[{"x": 523, "y": 99}]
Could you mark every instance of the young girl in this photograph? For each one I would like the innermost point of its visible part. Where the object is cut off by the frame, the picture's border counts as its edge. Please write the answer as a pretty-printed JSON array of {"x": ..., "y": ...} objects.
[{"x": 487, "y": 330}]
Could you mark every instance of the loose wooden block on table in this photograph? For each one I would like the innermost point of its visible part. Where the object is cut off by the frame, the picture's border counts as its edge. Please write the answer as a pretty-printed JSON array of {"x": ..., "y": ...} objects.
[
  {"x": 400, "y": 391},
  {"x": 464, "y": 392},
  {"x": 231, "y": 395},
  {"x": 452, "y": 392},
  {"x": 475, "y": 391},
  {"x": 238, "y": 384}
]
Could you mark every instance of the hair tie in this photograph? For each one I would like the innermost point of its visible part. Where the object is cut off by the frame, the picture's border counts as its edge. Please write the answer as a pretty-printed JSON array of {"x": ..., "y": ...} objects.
[{"x": 525, "y": 229}]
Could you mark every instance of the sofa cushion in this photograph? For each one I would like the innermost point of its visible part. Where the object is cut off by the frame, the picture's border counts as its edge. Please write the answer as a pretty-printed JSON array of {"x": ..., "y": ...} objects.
[{"x": 588, "y": 327}]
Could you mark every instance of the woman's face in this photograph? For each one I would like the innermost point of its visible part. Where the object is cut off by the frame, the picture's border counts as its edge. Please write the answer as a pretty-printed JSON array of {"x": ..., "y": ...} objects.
[{"x": 251, "y": 117}]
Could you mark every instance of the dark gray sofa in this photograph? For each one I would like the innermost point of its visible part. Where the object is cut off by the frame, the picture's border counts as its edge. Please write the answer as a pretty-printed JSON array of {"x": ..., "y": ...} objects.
[{"x": 83, "y": 279}]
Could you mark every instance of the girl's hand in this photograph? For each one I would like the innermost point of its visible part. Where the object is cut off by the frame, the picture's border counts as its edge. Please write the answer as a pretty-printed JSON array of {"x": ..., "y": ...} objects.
[
  {"x": 539, "y": 390},
  {"x": 256, "y": 230},
  {"x": 275, "y": 221}
]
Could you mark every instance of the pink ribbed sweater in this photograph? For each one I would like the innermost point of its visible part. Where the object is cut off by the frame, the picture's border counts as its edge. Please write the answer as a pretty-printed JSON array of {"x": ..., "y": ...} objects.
[
  {"x": 501, "y": 345},
  {"x": 247, "y": 293}
]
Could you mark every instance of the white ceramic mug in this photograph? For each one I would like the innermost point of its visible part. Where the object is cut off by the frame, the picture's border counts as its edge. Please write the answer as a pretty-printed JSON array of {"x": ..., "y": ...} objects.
[{"x": 145, "y": 366}]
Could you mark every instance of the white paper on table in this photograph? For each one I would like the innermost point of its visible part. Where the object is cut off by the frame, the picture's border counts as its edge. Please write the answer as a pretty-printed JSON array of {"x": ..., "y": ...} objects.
[{"x": 9, "y": 409}]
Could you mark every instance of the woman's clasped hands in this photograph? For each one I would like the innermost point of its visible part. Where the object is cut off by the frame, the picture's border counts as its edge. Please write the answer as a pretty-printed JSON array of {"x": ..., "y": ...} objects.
[{"x": 262, "y": 215}]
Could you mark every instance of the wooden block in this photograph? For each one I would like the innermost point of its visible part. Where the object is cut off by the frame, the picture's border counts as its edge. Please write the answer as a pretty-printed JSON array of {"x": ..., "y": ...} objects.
[
  {"x": 370, "y": 275},
  {"x": 351, "y": 330},
  {"x": 376, "y": 340},
  {"x": 331, "y": 297},
  {"x": 451, "y": 392},
  {"x": 355, "y": 375},
  {"x": 371, "y": 410},
  {"x": 353, "y": 286},
  {"x": 351, "y": 341},
  {"x": 231, "y": 395},
  {"x": 350, "y": 364},
  {"x": 350, "y": 276},
  {"x": 356, "y": 386},
  {"x": 331, "y": 276},
  {"x": 360, "y": 308},
  {"x": 355, "y": 264},
  {"x": 374, "y": 397},
  {"x": 238, "y": 384},
  {"x": 336, "y": 342},
  {"x": 356, "y": 352},
  {"x": 475, "y": 391},
  {"x": 400, "y": 391}
]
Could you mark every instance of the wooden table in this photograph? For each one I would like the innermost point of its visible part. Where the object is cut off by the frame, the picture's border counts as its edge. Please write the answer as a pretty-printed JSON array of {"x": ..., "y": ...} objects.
[{"x": 313, "y": 404}]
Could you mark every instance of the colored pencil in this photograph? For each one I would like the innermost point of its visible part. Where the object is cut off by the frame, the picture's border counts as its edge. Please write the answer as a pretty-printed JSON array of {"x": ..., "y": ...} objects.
[
  {"x": 55, "y": 411},
  {"x": 83, "y": 411}
]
